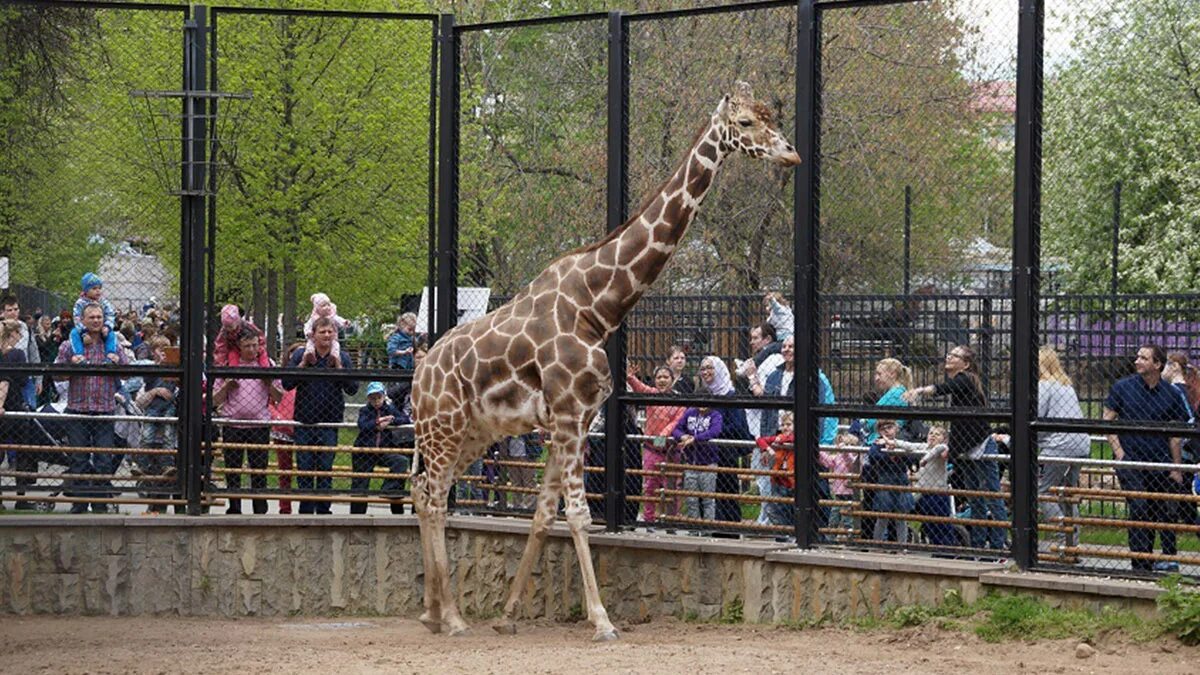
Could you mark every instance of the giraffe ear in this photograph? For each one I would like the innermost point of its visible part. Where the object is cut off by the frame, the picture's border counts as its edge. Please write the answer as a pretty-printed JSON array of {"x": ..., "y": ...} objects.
[{"x": 723, "y": 107}]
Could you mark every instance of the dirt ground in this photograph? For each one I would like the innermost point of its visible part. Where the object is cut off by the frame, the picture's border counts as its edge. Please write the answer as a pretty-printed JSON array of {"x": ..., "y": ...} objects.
[{"x": 389, "y": 645}]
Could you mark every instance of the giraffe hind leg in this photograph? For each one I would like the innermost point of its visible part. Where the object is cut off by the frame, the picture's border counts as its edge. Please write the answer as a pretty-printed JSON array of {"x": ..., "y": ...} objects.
[
  {"x": 546, "y": 507},
  {"x": 431, "y": 617}
]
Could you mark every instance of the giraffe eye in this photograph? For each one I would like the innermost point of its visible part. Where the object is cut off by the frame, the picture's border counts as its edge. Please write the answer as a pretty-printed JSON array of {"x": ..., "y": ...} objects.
[{"x": 745, "y": 123}]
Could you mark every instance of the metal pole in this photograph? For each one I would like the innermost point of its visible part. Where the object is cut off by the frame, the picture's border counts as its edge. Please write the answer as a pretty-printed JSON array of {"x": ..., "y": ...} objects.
[
  {"x": 192, "y": 262},
  {"x": 907, "y": 239},
  {"x": 806, "y": 208},
  {"x": 431, "y": 214},
  {"x": 1026, "y": 264},
  {"x": 618, "y": 147},
  {"x": 446, "y": 296}
]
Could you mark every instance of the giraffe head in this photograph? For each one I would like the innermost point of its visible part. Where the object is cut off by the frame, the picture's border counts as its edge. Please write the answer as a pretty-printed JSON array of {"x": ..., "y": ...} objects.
[{"x": 749, "y": 126}]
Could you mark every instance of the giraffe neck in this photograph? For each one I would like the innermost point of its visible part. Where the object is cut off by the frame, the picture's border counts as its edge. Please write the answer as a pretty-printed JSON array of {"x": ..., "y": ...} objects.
[{"x": 650, "y": 237}]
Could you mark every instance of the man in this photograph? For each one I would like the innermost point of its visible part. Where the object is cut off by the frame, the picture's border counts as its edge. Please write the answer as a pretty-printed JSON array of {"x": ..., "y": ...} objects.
[
  {"x": 1146, "y": 396},
  {"x": 766, "y": 358},
  {"x": 318, "y": 401},
  {"x": 93, "y": 396},
  {"x": 28, "y": 344}
]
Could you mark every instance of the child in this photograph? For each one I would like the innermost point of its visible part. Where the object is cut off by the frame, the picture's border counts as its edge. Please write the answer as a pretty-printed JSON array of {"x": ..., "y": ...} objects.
[
  {"x": 660, "y": 422},
  {"x": 323, "y": 307},
  {"x": 780, "y": 454},
  {"x": 693, "y": 434},
  {"x": 225, "y": 349},
  {"x": 779, "y": 315},
  {"x": 93, "y": 292},
  {"x": 931, "y": 473},
  {"x": 157, "y": 399},
  {"x": 890, "y": 468},
  {"x": 841, "y": 463}
]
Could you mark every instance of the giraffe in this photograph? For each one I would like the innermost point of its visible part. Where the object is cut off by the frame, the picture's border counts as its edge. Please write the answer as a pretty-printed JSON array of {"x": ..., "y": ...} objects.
[{"x": 539, "y": 361}]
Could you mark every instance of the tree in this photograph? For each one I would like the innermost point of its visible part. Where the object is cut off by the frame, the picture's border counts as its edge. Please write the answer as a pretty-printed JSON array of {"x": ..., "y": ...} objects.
[{"x": 1126, "y": 107}]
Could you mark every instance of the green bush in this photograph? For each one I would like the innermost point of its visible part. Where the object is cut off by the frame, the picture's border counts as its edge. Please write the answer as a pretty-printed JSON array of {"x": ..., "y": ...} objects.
[{"x": 1180, "y": 609}]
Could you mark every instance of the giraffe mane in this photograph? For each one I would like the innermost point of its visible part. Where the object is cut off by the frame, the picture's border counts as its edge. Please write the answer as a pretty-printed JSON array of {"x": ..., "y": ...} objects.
[{"x": 646, "y": 201}]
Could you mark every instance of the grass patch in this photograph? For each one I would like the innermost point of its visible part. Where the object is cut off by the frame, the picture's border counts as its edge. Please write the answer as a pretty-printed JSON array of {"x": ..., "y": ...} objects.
[
  {"x": 1179, "y": 606},
  {"x": 998, "y": 618}
]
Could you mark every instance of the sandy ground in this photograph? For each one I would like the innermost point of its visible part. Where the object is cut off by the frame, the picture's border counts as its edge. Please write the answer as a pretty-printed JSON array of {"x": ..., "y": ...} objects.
[{"x": 390, "y": 645}]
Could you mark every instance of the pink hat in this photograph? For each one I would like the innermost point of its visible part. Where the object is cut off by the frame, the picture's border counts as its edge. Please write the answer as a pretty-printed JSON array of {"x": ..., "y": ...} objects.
[{"x": 230, "y": 316}]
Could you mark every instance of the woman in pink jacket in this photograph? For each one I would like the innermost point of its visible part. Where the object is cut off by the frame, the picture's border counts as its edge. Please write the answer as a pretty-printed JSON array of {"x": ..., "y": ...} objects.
[{"x": 660, "y": 422}]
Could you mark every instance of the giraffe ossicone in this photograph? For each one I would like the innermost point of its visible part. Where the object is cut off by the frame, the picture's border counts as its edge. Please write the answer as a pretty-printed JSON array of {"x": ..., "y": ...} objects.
[{"x": 539, "y": 362}]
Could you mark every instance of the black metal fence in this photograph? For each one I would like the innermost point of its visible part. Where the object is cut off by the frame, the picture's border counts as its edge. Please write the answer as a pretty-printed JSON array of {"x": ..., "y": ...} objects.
[{"x": 907, "y": 247}]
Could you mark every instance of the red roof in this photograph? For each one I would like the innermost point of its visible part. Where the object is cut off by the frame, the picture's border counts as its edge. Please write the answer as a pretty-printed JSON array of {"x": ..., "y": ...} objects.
[{"x": 999, "y": 96}]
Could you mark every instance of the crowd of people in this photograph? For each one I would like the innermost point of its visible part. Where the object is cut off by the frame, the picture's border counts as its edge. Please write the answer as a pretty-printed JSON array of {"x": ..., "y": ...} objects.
[{"x": 887, "y": 478}]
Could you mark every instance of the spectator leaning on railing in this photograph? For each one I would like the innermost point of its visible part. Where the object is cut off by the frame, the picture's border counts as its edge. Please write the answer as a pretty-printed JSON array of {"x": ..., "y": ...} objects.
[
  {"x": 95, "y": 396},
  {"x": 28, "y": 343},
  {"x": 1144, "y": 396},
  {"x": 319, "y": 401},
  {"x": 12, "y": 396}
]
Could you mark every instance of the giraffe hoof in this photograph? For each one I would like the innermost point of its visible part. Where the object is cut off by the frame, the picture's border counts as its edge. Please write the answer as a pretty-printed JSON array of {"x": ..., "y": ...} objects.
[
  {"x": 432, "y": 624},
  {"x": 609, "y": 635},
  {"x": 458, "y": 631},
  {"x": 505, "y": 628}
]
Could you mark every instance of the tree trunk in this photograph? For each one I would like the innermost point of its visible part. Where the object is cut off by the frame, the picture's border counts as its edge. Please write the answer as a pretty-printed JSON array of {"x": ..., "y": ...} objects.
[
  {"x": 255, "y": 310},
  {"x": 272, "y": 316},
  {"x": 289, "y": 303}
]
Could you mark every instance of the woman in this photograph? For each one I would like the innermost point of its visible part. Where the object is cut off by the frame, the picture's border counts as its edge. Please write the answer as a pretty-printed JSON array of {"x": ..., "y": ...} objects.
[
  {"x": 892, "y": 379},
  {"x": 1057, "y": 400},
  {"x": 970, "y": 440},
  {"x": 660, "y": 422},
  {"x": 11, "y": 392},
  {"x": 715, "y": 380},
  {"x": 47, "y": 348},
  {"x": 677, "y": 362}
]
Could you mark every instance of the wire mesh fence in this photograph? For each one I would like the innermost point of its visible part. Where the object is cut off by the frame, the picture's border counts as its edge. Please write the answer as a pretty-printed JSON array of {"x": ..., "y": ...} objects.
[
  {"x": 1114, "y": 224},
  {"x": 93, "y": 248},
  {"x": 323, "y": 215}
]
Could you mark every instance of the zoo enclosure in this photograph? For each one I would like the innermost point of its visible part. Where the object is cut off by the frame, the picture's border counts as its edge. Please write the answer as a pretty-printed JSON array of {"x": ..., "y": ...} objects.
[{"x": 611, "y": 79}]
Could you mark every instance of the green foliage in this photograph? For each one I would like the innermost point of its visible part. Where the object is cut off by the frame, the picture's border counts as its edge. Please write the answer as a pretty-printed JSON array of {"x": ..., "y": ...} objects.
[
  {"x": 1179, "y": 605},
  {"x": 1125, "y": 108},
  {"x": 732, "y": 612},
  {"x": 1023, "y": 617},
  {"x": 575, "y": 614}
]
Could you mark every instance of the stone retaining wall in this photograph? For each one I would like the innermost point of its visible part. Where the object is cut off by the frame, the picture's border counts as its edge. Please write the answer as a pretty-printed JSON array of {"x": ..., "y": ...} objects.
[{"x": 364, "y": 565}]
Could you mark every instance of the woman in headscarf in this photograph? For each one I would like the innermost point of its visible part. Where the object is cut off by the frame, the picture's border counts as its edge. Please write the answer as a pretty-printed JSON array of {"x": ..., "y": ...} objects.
[{"x": 715, "y": 380}]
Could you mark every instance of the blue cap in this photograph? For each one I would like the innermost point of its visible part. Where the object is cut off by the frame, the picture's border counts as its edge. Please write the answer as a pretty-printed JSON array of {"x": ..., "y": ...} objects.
[
  {"x": 375, "y": 388},
  {"x": 90, "y": 281}
]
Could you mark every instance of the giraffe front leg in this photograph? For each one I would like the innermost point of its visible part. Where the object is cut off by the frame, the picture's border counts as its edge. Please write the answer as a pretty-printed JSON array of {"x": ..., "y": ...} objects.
[
  {"x": 450, "y": 618},
  {"x": 579, "y": 518},
  {"x": 542, "y": 519}
]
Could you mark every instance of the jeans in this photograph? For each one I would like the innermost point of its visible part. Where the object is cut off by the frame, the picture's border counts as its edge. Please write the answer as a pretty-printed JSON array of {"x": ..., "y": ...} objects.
[
  {"x": 363, "y": 462},
  {"x": 938, "y": 534},
  {"x": 891, "y": 501},
  {"x": 1058, "y": 475},
  {"x": 308, "y": 460},
  {"x": 701, "y": 481},
  {"x": 984, "y": 475},
  {"x": 94, "y": 434}
]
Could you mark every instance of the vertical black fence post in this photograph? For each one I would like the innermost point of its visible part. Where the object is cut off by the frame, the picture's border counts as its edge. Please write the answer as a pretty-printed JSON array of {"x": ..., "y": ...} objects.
[
  {"x": 618, "y": 146},
  {"x": 446, "y": 295},
  {"x": 192, "y": 261},
  {"x": 804, "y": 276},
  {"x": 432, "y": 207},
  {"x": 1026, "y": 269}
]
